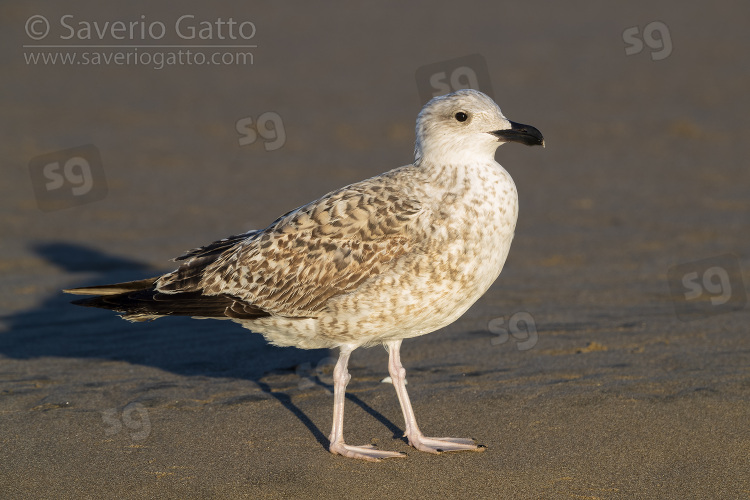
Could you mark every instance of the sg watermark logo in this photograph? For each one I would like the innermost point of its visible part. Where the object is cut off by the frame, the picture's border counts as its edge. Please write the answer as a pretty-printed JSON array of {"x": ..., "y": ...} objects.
[
  {"x": 68, "y": 178},
  {"x": 323, "y": 371},
  {"x": 468, "y": 72},
  {"x": 521, "y": 328},
  {"x": 707, "y": 287},
  {"x": 269, "y": 126},
  {"x": 656, "y": 37},
  {"x": 134, "y": 417}
]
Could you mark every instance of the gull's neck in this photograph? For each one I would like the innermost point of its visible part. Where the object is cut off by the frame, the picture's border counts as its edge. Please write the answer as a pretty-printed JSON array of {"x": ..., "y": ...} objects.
[{"x": 458, "y": 152}]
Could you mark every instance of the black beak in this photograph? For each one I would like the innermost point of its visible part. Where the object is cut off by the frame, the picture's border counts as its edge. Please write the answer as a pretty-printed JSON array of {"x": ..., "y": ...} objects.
[{"x": 518, "y": 132}]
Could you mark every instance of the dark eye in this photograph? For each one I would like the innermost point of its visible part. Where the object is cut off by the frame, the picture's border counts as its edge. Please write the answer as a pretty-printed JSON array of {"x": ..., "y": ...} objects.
[{"x": 461, "y": 116}]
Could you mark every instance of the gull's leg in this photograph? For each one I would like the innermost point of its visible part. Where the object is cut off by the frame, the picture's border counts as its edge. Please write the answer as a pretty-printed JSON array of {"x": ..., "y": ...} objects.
[
  {"x": 338, "y": 446},
  {"x": 413, "y": 434}
]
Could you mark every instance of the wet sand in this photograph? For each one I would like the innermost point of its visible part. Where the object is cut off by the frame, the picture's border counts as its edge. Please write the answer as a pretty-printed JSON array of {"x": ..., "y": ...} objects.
[{"x": 612, "y": 396}]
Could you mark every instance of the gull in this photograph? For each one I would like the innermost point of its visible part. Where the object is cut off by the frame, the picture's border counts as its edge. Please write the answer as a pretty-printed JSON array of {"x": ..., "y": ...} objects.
[{"x": 395, "y": 256}]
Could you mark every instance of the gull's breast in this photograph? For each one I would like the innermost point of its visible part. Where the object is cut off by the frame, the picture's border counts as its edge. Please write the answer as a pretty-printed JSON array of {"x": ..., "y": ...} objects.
[{"x": 465, "y": 241}]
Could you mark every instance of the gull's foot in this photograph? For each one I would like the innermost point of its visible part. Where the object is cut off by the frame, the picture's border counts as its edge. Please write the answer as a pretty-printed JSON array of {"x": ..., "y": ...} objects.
[
  {"x": 367, "y": 452},
  {"x": 442, "y": 445}
]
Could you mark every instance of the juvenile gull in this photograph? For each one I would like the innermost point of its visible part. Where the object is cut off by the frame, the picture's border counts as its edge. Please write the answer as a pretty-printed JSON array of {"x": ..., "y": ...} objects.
[{"x": 395, "y": 256}]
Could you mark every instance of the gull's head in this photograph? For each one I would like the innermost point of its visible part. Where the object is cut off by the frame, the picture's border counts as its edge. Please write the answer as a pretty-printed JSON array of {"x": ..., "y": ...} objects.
[{"x": 466, "y": 125}]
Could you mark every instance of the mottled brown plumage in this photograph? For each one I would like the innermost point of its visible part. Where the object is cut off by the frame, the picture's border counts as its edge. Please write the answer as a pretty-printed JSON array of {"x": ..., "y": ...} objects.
[{"x": 395, "y": 256}]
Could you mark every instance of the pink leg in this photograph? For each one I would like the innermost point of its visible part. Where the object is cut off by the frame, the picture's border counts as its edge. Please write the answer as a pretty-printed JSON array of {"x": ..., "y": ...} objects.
[
  {"x": 413, "y": 434},
  {"x": 338, "y": 446}
]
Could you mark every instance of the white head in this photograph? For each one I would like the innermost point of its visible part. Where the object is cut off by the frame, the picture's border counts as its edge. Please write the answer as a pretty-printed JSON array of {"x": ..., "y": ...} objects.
[{"x": 467, "y": 125}]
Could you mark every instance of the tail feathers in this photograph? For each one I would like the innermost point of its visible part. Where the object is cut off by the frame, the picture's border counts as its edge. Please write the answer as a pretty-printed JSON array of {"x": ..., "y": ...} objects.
[
  {"x": 128, "y": 286},
  {"x": 139, "y": 301}
]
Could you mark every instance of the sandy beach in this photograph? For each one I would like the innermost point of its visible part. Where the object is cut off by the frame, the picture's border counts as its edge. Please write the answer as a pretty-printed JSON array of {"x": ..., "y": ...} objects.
[{"x": 610, "y": 360}]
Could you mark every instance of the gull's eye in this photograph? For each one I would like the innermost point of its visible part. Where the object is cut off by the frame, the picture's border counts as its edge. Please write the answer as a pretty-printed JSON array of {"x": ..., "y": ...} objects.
[{"x": 461, "y": 116}]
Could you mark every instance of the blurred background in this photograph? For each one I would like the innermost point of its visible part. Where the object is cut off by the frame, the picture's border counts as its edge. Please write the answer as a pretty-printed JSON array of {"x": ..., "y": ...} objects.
[{"x": 632, "y": 219}]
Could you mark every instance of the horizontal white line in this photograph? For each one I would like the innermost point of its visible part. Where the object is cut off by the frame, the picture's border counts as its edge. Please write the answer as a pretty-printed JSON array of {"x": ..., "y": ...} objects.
[{"x": 139, "y": 46}]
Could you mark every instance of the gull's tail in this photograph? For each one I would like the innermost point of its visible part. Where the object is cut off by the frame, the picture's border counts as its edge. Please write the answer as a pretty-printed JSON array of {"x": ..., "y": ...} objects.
[
  {"x": 115, "y": 289},
  {"x": 140, "y": 301},
  {"x": 179, "y": 293}
]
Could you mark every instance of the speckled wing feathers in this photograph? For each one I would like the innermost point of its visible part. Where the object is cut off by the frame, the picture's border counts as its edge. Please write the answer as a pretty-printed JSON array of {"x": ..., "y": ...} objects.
[
  {"x": 217, "y": 247},
  {"x": 321, "y": 250},
  {"x": 187, "y": 278}
]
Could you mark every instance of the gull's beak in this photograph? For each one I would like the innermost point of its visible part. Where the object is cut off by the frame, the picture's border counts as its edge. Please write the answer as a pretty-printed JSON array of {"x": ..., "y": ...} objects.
[{"x": 518, "y": 132}]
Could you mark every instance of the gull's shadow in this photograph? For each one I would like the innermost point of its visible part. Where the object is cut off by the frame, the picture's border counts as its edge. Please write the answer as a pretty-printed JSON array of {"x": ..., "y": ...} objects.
[{"x": 183, "y": 346}]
